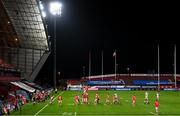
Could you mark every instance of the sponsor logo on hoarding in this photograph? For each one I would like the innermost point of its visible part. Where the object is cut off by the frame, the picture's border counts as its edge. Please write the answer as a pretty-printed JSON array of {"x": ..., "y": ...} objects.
[
  {"x": 75, "y": 89},
  {"x": 105, "y": 82},
  {"x": 170, "y": 89},
  {"x": 92, "y": 88},
  {"x": 148, "y": 86},
  {"x": 109, "y": 86},
  {"x": 123, "y": 89},
  {"x": 133, "y": 86},
  {"x": 151, "y": 82}
]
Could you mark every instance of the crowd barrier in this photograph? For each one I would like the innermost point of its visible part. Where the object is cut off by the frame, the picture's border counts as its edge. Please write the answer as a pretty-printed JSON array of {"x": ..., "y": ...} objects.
[{"x": 166, "y": 88}]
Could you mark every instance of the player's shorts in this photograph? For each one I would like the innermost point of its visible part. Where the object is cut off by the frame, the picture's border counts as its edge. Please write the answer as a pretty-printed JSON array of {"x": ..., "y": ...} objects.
[
  {"x": 85, "y": 99},
  {"x": 77, "y": 101},
  {"x": 51, "y": 101},
  {"x": 107, "y": 101},
  {"x": 59, "y": 101},
  {"x": 96, "y": 100},
  {"x": 134, "y": 101},
  {"x": 156, "y": 108}
]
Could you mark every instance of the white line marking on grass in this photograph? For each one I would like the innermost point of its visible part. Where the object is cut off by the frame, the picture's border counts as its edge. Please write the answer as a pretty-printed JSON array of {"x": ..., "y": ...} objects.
[
  {"x": 46, "y": 105},
  {"x": 67, "y": 114},
  {"x": 153, "y": 113},
  {"x": 41, "y": 110}
]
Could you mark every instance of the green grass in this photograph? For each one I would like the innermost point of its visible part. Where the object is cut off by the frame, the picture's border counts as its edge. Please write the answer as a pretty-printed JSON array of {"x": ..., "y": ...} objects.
[{"x": 169, "y": 104}]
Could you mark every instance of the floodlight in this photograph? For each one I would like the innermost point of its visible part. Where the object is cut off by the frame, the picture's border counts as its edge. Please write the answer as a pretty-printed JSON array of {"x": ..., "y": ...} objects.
[{"x": 55, "y": 8}]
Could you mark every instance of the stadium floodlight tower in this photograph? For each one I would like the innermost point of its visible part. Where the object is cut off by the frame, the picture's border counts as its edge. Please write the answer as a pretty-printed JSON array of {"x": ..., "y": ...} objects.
[{"x": 55, "y": 10}]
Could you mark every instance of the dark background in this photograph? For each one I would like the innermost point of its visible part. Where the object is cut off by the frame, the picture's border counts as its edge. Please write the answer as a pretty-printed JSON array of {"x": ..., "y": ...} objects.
[{"x": 96, "y": 25}]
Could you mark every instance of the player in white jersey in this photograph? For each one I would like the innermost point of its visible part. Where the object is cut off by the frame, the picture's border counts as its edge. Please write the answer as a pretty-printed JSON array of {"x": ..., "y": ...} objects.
[
  {"x": 157, "y": 96},
  {"x": 51, "y": 99},
  {"x": 146, "y": 100}
]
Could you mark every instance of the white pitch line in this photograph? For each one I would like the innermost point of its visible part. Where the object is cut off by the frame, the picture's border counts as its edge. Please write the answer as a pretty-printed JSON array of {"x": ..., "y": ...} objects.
[
  {"x": 46, "y": 105},
  {"x": 153, "y": 113},
  {"x": 41, "y": 110}
]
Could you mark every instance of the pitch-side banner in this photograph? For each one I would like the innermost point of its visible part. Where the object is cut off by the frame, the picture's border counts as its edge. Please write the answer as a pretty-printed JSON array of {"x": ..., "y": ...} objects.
[
  {"x": 109, "y": 86},
  {"x": 170, "y": 89},
  {"x": 105, "y": 82},
  {"x": 151, "y": 82}
]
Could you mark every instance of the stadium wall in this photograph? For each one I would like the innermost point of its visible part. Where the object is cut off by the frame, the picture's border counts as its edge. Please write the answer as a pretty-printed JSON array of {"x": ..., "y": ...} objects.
[{"x": 129, "y": 82}]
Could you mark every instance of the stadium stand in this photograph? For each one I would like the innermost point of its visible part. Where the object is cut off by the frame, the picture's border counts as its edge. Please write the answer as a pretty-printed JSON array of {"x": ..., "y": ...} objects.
[
  {"x": 24, "y": 42},
  {"x": 8, "y": 78},
  {"x": 24, "y": 48}
]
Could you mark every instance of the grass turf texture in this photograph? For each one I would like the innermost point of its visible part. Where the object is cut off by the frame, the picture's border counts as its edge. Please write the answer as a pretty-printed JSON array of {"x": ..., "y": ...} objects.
[{"x": 169, "y": 104}]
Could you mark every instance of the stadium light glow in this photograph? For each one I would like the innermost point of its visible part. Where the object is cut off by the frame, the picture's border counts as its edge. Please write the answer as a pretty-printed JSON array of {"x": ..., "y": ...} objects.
[
  {"x": 41, "y": 5},
  {"x": 16, "y": 39},
  {"x": 55, "y": 8}
]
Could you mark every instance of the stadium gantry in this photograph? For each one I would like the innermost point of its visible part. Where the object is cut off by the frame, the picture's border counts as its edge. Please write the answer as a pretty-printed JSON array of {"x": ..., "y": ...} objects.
[{"x": 24, "y": 43}]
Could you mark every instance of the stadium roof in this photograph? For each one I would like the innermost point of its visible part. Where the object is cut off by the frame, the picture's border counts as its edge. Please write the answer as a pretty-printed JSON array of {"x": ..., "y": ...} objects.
[
  {"x": 22, "y": 25},
  {"x": 23, "y": 86}
]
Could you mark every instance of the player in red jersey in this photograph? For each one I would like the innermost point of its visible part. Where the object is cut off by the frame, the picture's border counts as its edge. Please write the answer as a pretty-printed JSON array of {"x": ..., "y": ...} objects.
[
  {"x": 60, "y": 100},
  {"x": 85, "y": 98},
  {"x": 133, "y": 100},
  {"x": 156, "y": 104},
  {"x": 96, "y": 101},
  {"x": 76, "y": 100}
]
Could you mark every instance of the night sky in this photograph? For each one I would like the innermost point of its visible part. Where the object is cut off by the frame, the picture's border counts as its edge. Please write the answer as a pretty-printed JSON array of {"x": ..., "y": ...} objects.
[{"x": 96, "y": 25}]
